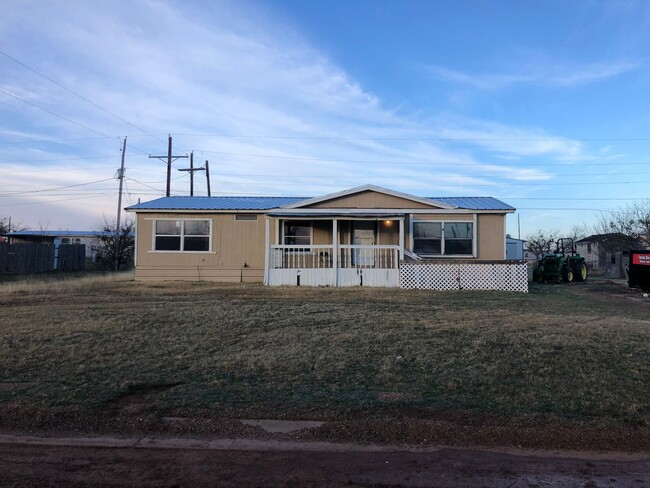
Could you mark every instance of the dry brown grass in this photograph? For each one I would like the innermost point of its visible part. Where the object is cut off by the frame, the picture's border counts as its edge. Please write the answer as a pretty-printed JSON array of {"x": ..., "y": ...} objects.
[{"x": 575, "y": 353}]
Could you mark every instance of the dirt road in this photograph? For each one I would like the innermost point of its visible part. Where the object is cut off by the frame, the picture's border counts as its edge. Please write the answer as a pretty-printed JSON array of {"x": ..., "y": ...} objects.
[{"x": 51, "y": 462}]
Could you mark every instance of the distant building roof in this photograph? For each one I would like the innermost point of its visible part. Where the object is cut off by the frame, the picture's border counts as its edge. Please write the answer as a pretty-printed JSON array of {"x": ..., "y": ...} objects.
[
  {"x": 268, "y": 203},
  {"x": 55, "y": 233},
  {"x": 59, "y": 233},
  {"x": 602, "y": 237}
]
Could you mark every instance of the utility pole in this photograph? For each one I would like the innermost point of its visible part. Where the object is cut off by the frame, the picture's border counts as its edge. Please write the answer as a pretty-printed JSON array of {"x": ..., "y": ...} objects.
[
  {"x": 207, "y": 175},
  {"x": 169, "y": 157},
  {"x": 191, "y": 171},
  {"x": 192, "y": 174},
  {"x": 120, "y": 176}
]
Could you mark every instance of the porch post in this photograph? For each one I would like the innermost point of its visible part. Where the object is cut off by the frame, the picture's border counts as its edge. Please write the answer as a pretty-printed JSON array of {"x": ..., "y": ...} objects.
[
  {"x": 401, "y": 239},
  {"x": 335, "y": 251},
  {"x": 267, "y": 251}
]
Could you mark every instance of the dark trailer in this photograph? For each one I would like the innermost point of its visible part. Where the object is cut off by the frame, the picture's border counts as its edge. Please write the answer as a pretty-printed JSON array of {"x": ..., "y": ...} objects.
[{"x": 639, "y": 270}]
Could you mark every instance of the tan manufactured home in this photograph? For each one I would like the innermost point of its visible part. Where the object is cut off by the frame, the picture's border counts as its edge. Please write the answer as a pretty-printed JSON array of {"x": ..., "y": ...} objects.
[{"x": 355, "y": 237}]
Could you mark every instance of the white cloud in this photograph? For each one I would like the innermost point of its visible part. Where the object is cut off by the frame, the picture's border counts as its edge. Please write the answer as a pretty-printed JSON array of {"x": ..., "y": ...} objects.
[
  {"x": 547, "y": 74},
  {"x": 168, "y": 70}
]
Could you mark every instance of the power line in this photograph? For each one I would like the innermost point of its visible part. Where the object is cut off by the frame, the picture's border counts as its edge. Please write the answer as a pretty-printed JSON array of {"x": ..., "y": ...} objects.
[
  {"x": 471, "y": 184},
  {"x": 423, "y": 163},
  {"x": 48, "y": 201},
  {"x": 143, "y": 184},
  {"x": 52, "y": 140},
  {"x": 56, "y": 115},
  {"x": 437, "y": 176},
  {"x": 442, "y": 139},
  {"x": 56, "y": 188},
  {"x": 79, "y": 96},
  {"x": 10, "y": 161}
]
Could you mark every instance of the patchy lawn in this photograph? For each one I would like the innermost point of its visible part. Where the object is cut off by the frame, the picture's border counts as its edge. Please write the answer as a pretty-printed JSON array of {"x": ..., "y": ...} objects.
[{"x": 575, "y": 354}]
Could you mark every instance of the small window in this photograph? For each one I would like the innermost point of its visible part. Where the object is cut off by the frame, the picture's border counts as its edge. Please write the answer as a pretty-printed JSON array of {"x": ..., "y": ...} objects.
[
  {"x": 246, "y": 217},
  {"x": 589, "y": 247},
  {"x": 182, "y": 235}
]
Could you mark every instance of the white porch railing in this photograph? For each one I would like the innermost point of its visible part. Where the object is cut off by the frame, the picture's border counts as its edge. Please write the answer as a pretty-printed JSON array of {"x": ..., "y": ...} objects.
[
  {"x": 321, "y": 257},
  {"x": 378, "y": 257},
  {"x": 297, "y": 256},
  {"x": 342, "y": 265}
]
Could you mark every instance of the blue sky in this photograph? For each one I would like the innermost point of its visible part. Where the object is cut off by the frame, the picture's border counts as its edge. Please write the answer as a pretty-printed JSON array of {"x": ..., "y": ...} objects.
[{"x": 542, "y": 104}]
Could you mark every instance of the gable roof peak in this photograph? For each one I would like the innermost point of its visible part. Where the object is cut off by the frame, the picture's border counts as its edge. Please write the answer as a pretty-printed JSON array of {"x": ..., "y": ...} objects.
[{"x": 378, "y": 189}]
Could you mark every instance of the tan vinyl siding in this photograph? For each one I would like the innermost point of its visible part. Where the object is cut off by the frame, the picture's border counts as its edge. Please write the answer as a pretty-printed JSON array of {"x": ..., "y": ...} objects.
[
  {"x": 388, "y": 233},
  {"x": 491, "y": 236},
  {"x": 237, "y": 251},
  {"x": 198, "y": 273},
  {"x": 322, "y": 232},
  {"x": 370, "y": 199},
  {"x": 447, "y": 217}
]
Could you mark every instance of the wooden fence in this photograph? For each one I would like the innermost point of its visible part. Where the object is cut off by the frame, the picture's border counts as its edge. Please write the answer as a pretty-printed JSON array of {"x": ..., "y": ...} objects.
[{"x": 37, "y": 258}]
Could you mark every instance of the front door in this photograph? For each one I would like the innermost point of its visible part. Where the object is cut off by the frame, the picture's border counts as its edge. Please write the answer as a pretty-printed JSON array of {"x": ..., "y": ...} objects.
[{"x": 363, "y": 234}]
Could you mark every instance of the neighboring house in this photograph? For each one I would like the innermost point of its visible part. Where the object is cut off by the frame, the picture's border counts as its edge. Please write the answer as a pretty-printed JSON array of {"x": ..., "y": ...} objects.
[
  {"x": 606, "y": 254},
  {"x": 354, "y": 237}
]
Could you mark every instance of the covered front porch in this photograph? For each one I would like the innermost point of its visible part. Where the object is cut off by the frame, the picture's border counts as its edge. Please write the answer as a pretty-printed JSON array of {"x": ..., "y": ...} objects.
[{"x": 351, "y": 250}]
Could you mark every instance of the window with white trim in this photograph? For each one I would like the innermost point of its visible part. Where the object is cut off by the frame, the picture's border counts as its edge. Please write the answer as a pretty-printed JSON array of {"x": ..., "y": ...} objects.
[
  {"x": 443, "y": 238},
  {"x": 182, "y": 235}
]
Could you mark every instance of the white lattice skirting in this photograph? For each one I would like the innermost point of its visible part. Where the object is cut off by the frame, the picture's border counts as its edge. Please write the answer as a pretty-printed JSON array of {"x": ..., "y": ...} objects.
[{"x": 504, "y": 277}]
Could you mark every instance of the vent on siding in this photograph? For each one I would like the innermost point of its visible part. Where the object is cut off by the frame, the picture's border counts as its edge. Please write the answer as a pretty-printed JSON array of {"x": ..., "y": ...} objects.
[{"x": 246, "y": 217}]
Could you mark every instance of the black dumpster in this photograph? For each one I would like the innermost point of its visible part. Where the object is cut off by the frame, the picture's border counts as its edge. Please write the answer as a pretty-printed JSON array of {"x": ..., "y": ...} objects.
[{"x": 639, "y": 271}]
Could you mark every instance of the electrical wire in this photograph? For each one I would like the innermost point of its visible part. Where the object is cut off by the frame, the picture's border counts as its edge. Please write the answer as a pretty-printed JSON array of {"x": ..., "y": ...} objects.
[
  {"x": 419, "y": 163},
  {"x": 55, "y": 188},
  {"x": 79, "y": 96},
  {"x": 57, "y": 115}
]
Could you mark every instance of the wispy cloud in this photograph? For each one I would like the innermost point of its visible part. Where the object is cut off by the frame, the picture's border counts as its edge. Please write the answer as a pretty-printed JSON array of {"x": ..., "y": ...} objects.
[
  {"x": 549, "y": 74},
  {"x": 168, "y": 70}
]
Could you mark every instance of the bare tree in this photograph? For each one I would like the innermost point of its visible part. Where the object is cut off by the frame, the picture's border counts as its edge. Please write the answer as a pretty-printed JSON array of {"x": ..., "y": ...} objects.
[
  {"x": 625, "y": 228},
  {"x": 5, "y": 228},
  {"x": 578, "y": 231},
  {"x": 541, "y": 242},
  {"x": 105, "y": 245}
]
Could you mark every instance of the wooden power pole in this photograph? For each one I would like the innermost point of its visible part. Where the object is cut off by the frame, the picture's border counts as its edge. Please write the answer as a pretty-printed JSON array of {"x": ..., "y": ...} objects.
[
  {"x": 191, "y": 170},
  {"x": 207, "y": 175},
  {"x": 169, "y": 157},
  {"x": 120, "y": 176}
]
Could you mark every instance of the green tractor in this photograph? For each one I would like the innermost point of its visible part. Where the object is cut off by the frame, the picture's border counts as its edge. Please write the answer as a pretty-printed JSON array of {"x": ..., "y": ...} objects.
[{"x": 562, "y": 265}]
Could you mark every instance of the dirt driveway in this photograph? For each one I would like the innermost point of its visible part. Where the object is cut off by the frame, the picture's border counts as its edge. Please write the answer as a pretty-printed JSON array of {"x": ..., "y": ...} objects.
[{"x": 50, "y": 462}]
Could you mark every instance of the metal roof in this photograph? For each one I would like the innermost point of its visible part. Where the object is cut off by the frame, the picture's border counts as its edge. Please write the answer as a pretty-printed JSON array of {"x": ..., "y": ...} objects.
[
  {"x": 215, "y": 203},
  {"x": 474, "y": 203},
  {"x": 267, "y": 203}
]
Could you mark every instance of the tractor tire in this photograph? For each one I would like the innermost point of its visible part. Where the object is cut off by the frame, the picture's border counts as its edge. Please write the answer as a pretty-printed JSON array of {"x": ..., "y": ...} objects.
[
  {"x": 567, "y": 275},
  {"x": 580, "y": 272}
]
